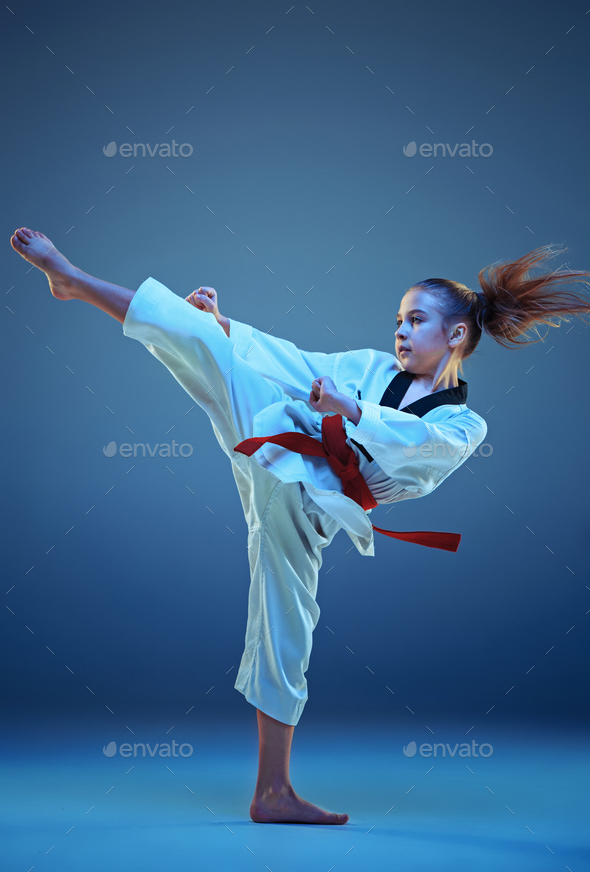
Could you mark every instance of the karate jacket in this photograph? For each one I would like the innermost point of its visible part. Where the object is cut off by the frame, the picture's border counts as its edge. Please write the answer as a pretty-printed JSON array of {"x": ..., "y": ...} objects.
[{"x": 417, "y": 449}]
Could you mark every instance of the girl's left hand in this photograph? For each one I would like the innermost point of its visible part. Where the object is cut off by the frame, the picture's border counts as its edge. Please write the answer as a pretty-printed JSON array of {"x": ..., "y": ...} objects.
[{"x": 323, "y": 396}]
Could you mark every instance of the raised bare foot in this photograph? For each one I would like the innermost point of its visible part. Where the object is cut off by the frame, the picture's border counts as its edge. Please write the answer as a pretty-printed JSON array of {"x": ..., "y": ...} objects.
[
  {"x": 285, "y": 807},
  {"x": 35, "y": 247}
]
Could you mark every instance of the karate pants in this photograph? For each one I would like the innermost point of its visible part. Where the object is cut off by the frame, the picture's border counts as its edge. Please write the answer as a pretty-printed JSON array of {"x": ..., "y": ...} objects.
[{"x": 286, "y": 529}]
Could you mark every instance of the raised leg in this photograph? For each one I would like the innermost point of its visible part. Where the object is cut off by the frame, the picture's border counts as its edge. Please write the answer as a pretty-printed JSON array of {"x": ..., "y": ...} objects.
[
  {"x": 190, "y": 343},
  {"x": 66, "y": 281},
  {"x": 285, "y": 544}
]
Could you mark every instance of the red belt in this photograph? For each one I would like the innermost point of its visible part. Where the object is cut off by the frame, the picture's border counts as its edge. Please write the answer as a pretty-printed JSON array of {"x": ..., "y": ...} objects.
[{"x": 343, "y": 461}]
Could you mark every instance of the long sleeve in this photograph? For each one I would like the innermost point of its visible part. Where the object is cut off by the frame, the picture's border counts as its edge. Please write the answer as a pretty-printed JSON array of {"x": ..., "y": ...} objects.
[
  {"x": 281, "y": 361},
  {"x": 418, "y": 454}
]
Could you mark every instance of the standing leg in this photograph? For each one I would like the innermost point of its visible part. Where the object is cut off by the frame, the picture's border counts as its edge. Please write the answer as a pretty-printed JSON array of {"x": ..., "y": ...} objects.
[
  {"x": 274, "y": 754},
  {"x": 285, "y": 551},
  {"x": 275, "y": 801}
]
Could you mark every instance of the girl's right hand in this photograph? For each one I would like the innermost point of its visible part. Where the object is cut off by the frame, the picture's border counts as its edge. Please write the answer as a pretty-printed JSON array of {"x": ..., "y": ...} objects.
[{"x": 204, "y": 299}]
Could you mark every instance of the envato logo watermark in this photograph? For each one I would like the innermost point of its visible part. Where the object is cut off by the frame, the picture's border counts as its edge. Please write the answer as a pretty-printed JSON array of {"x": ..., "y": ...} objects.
[
  {"x": 464, "y": 149},
  {"x": 441, "y": 449},
  {"x": 465, "y": 750},
  {"x": 165, "y": 750},
  {"x": 164, "y": 149},
  {"x": 166, "y": 450}
]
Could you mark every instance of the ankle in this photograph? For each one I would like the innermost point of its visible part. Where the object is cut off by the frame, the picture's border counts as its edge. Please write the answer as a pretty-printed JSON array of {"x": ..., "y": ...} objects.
[
  {"x": 74, "y": 280},
  {"x": 274, "y": 790}
]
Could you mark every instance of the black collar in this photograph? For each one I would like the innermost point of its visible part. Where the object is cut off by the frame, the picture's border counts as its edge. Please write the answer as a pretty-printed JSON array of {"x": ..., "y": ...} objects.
[
  {"x": 397, "y": 389},
  {"x": 399, "y": 385}
]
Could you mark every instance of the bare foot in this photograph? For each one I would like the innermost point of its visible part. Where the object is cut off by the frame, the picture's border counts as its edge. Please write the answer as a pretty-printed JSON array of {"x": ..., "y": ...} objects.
[
  {"x": 285, "y": 807},
  {"x": 35, "y": 247}
]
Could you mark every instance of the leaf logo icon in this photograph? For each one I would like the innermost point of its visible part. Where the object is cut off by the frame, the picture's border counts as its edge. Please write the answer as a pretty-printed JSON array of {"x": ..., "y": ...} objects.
[
  {"x": 111, "y": 149},
  {"x": 110, "y": 450},
  {"x": 110, "y": 750},
  {"x": 409, "y": 150},
  {"x": 409, "y": 750},
  {"x": 409, "y": 450}
]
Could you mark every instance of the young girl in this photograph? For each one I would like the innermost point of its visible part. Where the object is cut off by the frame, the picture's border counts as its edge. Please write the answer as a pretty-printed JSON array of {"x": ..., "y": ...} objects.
[{"x": 347, "y": 431}]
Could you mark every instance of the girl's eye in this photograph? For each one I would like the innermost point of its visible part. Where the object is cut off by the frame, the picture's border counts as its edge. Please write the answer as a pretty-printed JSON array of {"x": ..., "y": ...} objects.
[{"x": 414, "y": 318}]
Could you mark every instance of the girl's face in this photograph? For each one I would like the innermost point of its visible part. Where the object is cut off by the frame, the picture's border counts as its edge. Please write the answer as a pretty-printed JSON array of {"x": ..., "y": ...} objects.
[{"x": 420, "y": 341}]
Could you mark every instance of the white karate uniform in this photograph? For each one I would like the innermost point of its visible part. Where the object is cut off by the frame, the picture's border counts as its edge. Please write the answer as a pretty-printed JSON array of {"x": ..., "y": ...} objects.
[{"x": 253, "y": 384}]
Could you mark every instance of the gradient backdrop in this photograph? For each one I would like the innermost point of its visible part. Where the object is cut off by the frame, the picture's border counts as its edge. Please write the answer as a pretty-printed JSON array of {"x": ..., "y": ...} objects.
[{"x": 127, "y": 578}]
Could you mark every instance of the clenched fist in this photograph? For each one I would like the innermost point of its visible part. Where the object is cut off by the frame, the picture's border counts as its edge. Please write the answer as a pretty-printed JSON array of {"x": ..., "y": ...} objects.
[
  {"x": 204, "y": 299},
  {"x": 323, "y": 395}
]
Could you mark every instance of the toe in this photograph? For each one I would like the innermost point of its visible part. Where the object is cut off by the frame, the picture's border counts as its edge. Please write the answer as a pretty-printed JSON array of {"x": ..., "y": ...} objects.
[
  {"x": 28, "y": 232},
  {"x": 21, "y": 235}
]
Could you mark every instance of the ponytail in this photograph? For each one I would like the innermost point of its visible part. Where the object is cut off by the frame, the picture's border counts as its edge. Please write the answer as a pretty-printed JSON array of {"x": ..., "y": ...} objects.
[{"x": 513, "y": 302}]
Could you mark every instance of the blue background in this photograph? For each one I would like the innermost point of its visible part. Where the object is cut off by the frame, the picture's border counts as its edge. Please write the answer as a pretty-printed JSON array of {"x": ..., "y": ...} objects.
[{"x": 138, "y": 585}]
